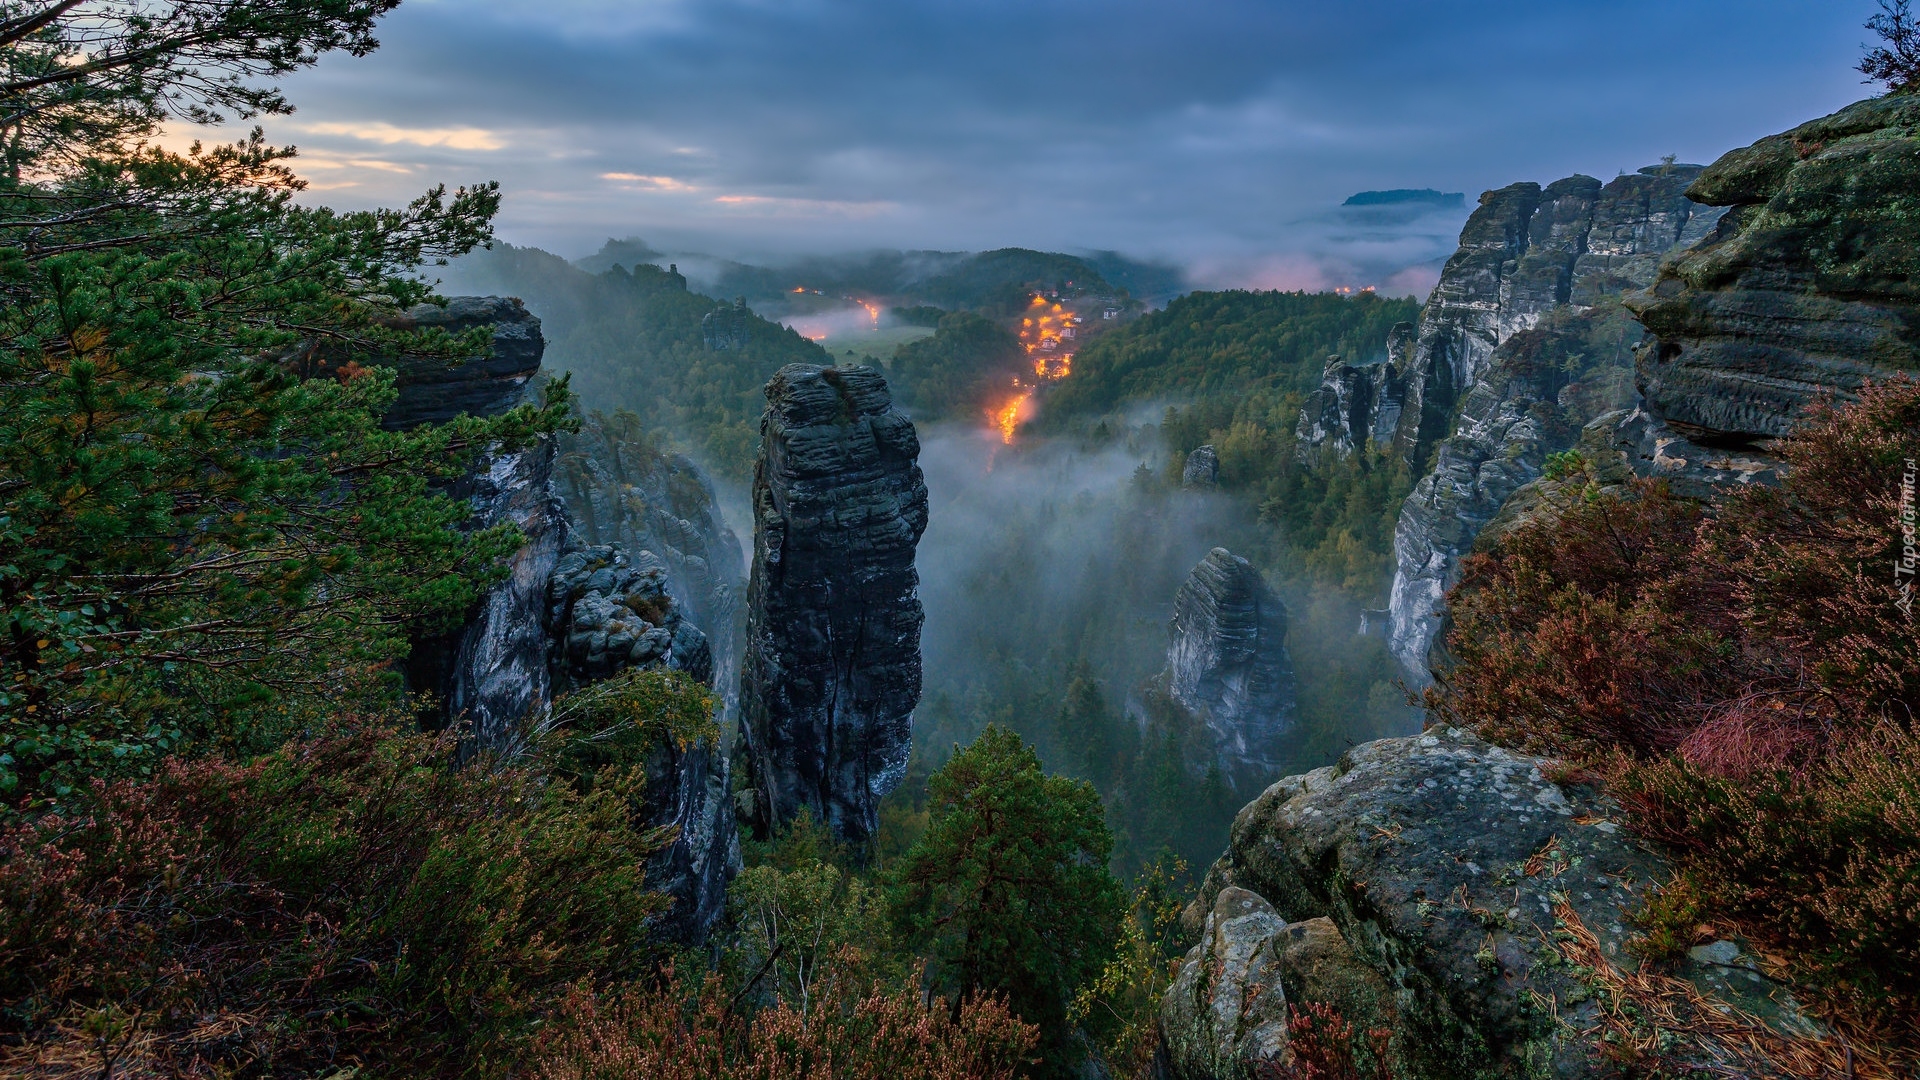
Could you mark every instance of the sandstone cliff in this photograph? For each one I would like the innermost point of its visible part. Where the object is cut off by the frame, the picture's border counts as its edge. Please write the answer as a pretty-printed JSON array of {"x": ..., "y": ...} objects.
[
  {"x": 1227, "y": 665},
  {"x": 831, "y": 673},
  {"x": 568, "y": 613},
  {"x": 621, "y": 488},
  {"x": 1448, "y": 868},
  {"x": 1520, "y": 345}
]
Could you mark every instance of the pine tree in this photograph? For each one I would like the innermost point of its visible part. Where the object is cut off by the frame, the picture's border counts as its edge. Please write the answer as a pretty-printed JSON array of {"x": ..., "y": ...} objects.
[
  {"x": 202, "y": 542},
  {"x": 1008, "y": 890}
]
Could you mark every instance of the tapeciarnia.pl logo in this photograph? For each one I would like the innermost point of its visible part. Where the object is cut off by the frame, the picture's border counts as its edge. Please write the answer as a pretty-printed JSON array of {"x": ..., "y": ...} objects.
[{"x": 1904, "y": 566}]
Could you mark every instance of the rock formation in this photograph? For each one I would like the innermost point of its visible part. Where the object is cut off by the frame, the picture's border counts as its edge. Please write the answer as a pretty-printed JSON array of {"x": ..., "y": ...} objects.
[
  {"x": 727, "y": 327},
  {"x": 433, "y": 391},
  {"x": 1202, "y": 469},
  {"x": 1806, "y": 287},
  {"x": 831, "y": 673},
  {"x": 1356, "y": 405},
  {"x": 1227, "y": 664},
  {"x": 568, "y": 613},
  {"x": 1225, "y": 1013},
  {"x": 1520, "y": 345},
  {"x": 1447, "y": 866},
  {"x": 619, "y": 488},
  {"x": 1802, "y": 291}
]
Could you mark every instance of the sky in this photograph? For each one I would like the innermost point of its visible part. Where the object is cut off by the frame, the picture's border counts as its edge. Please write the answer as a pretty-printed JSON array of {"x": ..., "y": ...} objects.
[{"x": 1219, "y": 134}]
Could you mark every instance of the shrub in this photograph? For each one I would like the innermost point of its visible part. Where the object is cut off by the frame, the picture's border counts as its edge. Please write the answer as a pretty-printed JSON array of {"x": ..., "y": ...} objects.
[
  {"x": 1747, "y": 675},
  {"x": 668, "y": 1033},
  {"x": 347, "y": 899}
]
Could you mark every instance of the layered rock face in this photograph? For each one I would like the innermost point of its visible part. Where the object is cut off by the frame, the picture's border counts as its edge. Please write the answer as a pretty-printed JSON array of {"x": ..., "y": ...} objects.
[
  {"x": 621, "y": 489},
  {"x": 1227, "y": 664},
  {"x": 567, "y": 614},
  {"x": 1356, "y": 405},
  {"x": 433, "y": 392},
  {"x": 1447, "y": 866},
  {"x": 1202, "y": 469},
  {"x": 1806, "y": 288},
  {"x": 1520, "y": 345},
  {"x": 831, "y": 673}
]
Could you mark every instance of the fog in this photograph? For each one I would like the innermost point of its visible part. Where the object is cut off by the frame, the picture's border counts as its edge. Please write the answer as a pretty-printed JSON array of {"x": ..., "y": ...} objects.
[{"x": 1045, "y": 553}]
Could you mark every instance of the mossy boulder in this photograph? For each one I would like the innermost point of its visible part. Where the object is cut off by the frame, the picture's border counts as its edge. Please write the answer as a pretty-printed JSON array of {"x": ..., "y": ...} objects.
[
  {"x": 1809, "y": 285},
  {"x": 1443, "y": 862}
]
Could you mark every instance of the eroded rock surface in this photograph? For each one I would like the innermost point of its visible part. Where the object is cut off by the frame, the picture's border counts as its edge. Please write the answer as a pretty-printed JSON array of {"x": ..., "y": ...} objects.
[
  {"x": 1226, "y": 1011},
  {"x": 1522, "y": 343},
  {"x": 831, "y": 673},
  {"x": 1227, "y": 664},
  {"x": 1441, "y": 860},
  {"x": 619, "y": 488},
  {"x": 1806, "y": 288},
  {"x": 433, "y": 391}
]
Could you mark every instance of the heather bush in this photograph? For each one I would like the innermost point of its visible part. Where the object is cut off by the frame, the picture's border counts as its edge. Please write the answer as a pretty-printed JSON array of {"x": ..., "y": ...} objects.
[
  {"x": 348, "y": 899},
  {"x": 1747, "y": 676},
  {"x": 669, "y": 1032}
]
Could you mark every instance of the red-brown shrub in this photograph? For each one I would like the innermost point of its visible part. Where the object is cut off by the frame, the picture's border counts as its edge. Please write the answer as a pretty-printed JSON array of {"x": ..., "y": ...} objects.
[
  {"x": 1748, "y": 677},
  {"x": 670, "y": 1033}
]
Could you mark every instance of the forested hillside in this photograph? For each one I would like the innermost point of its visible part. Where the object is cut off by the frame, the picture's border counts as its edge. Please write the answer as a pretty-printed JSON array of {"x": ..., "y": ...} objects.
[{"x": 632, "y": 338}]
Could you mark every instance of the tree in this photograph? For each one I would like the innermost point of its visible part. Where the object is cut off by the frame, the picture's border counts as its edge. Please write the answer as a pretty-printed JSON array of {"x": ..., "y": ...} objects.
[
  {"x": 206, "y": 537},
  {"x": 1896, "y": 63},
  {"x": 1009, "y": 891}
]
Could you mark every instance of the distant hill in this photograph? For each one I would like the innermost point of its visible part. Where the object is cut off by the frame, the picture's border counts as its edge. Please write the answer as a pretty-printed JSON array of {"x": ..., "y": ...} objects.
[{"x": 1440, "y": 200}]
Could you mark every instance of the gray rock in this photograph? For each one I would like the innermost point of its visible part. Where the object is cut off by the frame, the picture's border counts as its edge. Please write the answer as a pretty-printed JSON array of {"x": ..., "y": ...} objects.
[
  {"x": 831, "y": 673},
  {"x": 1226, "y": 1010},
  {"x": 1227, "y": 664},
  {"x": 1489, "y": 371},
  {"x": 1804, "y": 289},
  {"x": 1440, "y": 858},
  {"x": 611, "y": 612},
  {"x": 1202, "y": 469},
  {"x": 434, "y": 391},
  {"x": 619, "y": 488},
  {"x": 728, "y": 328}
]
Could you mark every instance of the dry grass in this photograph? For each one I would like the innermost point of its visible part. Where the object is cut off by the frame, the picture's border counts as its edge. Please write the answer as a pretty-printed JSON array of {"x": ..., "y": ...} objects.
[{"x": 1645, "y": 1014}]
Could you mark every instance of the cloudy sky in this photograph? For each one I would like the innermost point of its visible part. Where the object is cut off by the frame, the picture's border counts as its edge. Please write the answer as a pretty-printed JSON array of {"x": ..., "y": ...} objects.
[{"x": 1219, "y": 133}]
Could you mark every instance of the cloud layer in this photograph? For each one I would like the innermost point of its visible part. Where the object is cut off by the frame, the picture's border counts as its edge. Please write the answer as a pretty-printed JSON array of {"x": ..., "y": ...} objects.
[{"x": 1221, "y": 133}]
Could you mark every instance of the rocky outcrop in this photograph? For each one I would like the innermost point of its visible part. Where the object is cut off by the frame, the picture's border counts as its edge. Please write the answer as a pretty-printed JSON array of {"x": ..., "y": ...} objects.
[
  {"x": 435, "y": 391},
  {"x": 1521, "y": 344},
  {"x": 1227, "y": 665},
  {"x": 1202, "y": 469},
  {"x": 609, "y": 613},
  {"x": 1805, "y": 289},
  {"x": 1355, "y": 406},
  {"x": 1449, "y": 865},
  {"x": 728, "y": 327},
  {"x": 1225, "y": 1013},
  {"x": 567, "y": 614},
  {"x": 831, "y": 673},
  {"x": 621, "y": 488}
]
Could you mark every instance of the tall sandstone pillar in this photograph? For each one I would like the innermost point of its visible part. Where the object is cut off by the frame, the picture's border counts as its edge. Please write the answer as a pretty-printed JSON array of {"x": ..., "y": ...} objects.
[{"x": 831, "y": 673}]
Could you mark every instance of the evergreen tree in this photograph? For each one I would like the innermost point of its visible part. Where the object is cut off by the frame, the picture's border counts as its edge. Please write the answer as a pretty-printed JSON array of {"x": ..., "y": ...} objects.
[
  {"x": 206, "y": 538},
  {"x": 1008, "y": 890}
]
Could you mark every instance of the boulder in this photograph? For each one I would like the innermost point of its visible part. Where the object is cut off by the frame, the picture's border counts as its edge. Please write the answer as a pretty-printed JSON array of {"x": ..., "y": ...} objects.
[
  {"x": 832, "y": 667},
  {"x": 1226, "y": 1010},
  {"x": 1442, "y": 861},
  {"x": 1202, "y": 469}
]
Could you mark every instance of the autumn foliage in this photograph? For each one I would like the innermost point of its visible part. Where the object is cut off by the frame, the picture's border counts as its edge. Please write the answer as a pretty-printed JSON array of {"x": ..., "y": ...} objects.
[
  {"x": 1747, "y": 674},
  {"x": 673, "y": 1032}
]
